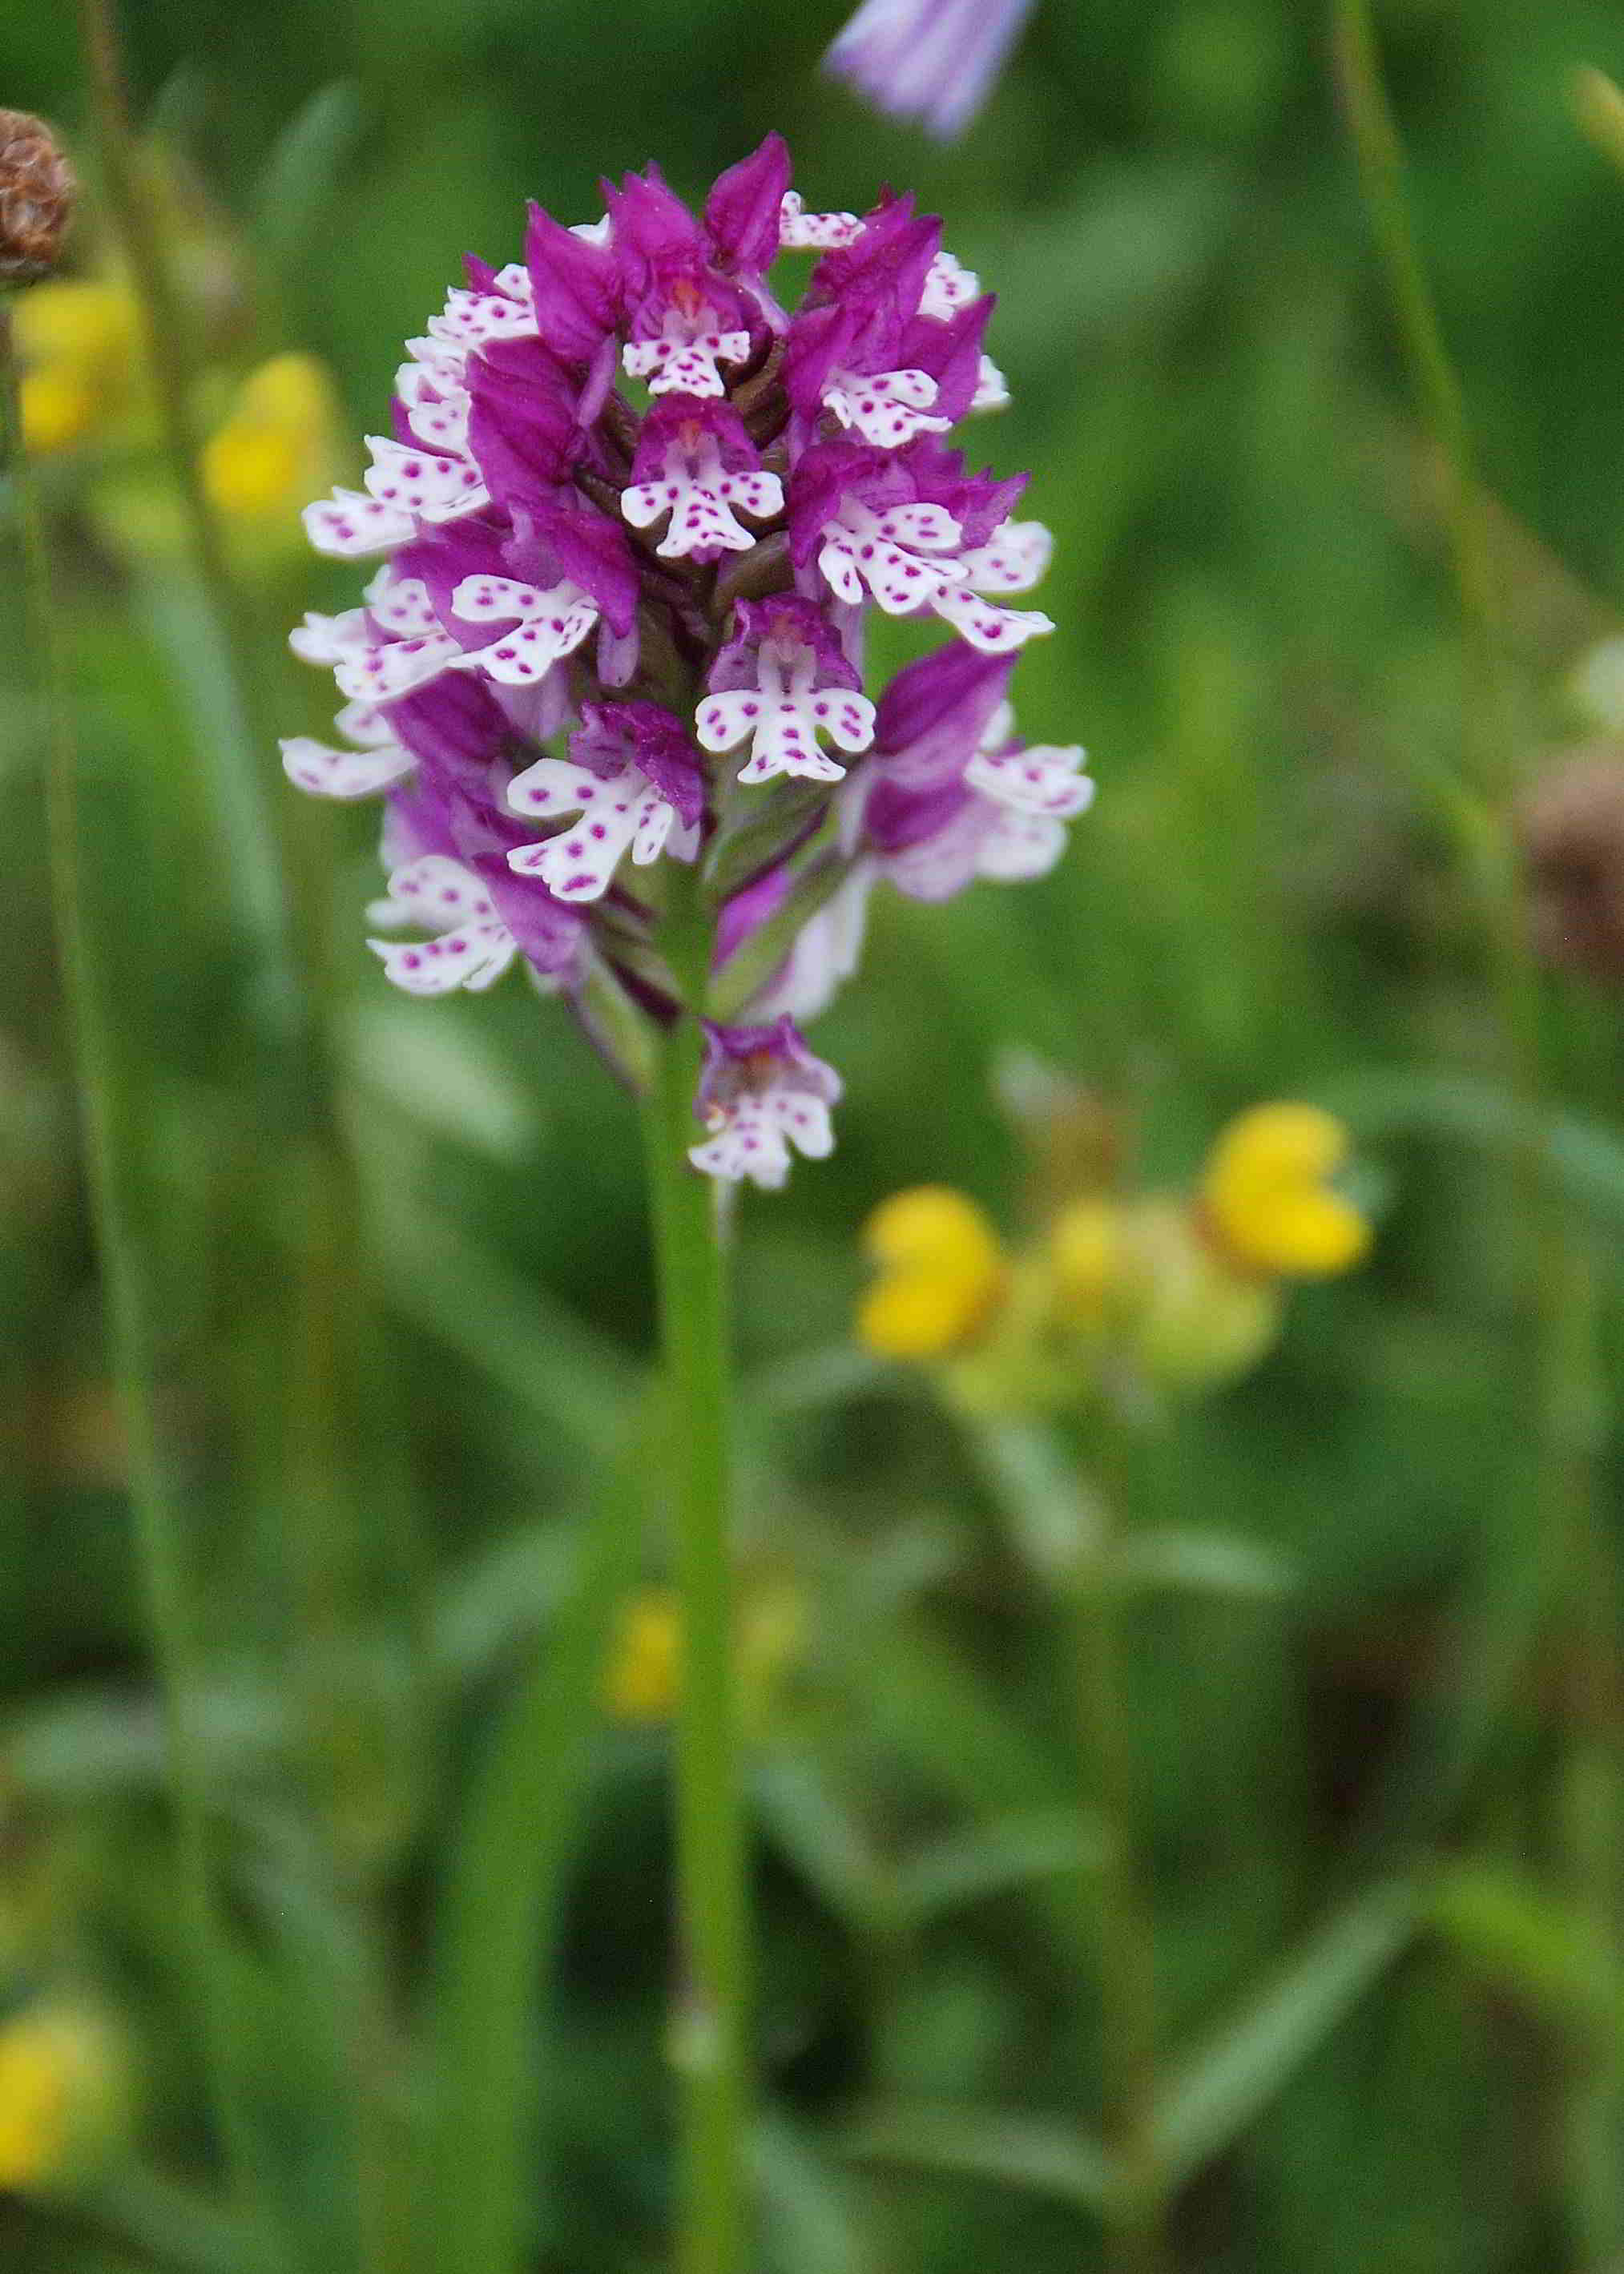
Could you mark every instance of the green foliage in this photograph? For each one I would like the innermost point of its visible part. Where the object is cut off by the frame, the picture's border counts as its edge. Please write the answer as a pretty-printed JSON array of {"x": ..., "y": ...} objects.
[{"x": 440, "y": 1866}]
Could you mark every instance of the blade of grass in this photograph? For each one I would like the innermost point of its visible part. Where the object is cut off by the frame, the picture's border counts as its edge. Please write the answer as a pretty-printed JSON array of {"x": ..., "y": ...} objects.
[
  {"x": 1214, "y": 2096},
  {"x": 1008, "y": 2150},
  {"x": 499, "y": 1906},
  {"x": 116, "y": 1183}
]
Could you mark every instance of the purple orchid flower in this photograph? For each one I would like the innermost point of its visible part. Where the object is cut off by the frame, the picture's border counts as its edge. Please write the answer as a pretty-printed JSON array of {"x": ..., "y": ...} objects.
[
  {"x": 624, "y": 531},
  {"x": 932, "y": 60}
]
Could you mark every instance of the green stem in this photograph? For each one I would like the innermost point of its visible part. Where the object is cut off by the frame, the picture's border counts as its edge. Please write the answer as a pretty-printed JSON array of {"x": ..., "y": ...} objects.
[
  {"x": 710, "y": 2029},
  {"x": 1067, "y": 1534},
  {"x": 135, "y": 1340},
  {"x": 246, "y": 815},
  {"x": 1553, "y": 1528},
  {"x": 1135, "y": 2210}
]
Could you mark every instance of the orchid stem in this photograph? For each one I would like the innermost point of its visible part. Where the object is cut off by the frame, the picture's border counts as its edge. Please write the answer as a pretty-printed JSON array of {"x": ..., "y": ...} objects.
[{"x": 709, "y": 2027}]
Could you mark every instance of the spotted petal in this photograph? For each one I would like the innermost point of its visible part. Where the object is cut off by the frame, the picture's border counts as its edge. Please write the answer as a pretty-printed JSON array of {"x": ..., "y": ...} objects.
[
  {"x": 522, "y": 657},
  {"x": 328, "y": 639},
  {"x": 1013, "y": 558},
  {"x": 747, "y": 1145},
  {"x": 1020, "y": 846},
  {"x": 328, "y": 773},
  {"x": 420, "y": 481},
  {"x": 1042, "y": 780},
  {"x": 351, "y": 527},
  {"x": 401, "y": 604},
  {"x": 380, "y": 674},
  {"x": 995, "y": 631},
  {"x": 888, "y": 410},
  {"x": 475, "y": 956}
]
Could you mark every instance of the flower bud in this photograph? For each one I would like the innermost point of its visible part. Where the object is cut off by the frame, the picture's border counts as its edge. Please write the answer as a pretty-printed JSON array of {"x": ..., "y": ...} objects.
[{"x": 37, "y": 192}]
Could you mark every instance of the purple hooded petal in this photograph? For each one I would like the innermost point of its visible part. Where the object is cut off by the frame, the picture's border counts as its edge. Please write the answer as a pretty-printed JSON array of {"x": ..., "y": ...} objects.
[
  {"x": 742, "y": 211},
  {"x": 951, "y": 351},
  {"x": 930, "y": 841},
  {"x": 654, "y": 741},
  {"x": 758, "y": 1052},
  {"x": 931, "y": 719},
  {"x": 823, "y": 475},
  {"x": 683, "y": 419},
  {"x": 565, "y": 537},
  {"x": 443, "y": 556},
  {"x": 653, "y": 231},
  {"x": 576, "y": 285},
  {"x": 786, "y": 618},
  {"x": 743, "y": 916},
  {"x": 452, "y": 725},
  {"x": 522, "y": 427},
  {"x": 467, "y": 821},
  {"x": 881, "y": 271},
  {"x": 978, "y": 502},
  {"x": 932, "y": 60},
  {"x": 549, "y": 934}
]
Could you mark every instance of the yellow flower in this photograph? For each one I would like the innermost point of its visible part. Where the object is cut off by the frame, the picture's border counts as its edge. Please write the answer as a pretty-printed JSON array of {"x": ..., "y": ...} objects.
[
  {"x": 1086, "y": 1254},
  {"x": 61, "y": 2081},
  {"x": 643, "y": 1677},
  {"x": 78, "y": 344},
  {"x": 646, "y": 1661},
  {"x": 272, "y": 455},
  {"x": 941, "y": 1271},
  {"x": 1267, "y": 1198},
  {"x": 1187, "y": 1320}
]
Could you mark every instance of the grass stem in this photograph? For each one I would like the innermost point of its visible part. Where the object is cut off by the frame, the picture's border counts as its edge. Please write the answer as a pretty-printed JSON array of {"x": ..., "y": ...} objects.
[
  {"x": 1551, "y": 1540},
  {"x": 114, "y": 1180}
]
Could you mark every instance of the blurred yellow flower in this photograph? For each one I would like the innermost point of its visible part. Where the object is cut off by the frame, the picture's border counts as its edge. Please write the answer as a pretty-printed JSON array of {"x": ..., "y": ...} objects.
[
  {"x": 941, "y": 1270},
  {"x": 61, "y": 2081},
  {"x": 1267, "y": 1198},
  {"x": 1085, "y": 1254},
  {"x": 1188, "y": 1318},
  {"x": 274, "y": 452},
  {"x": 646, "y": 1661},
  {"x": 643, "y": 1677},
  {"x": 78, "y": 345}
]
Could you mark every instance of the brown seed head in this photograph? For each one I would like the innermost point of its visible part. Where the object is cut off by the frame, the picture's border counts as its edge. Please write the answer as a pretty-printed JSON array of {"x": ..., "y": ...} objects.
[
  {"x": 37, "y": 191},
  {"x": 1571, "y": 822}
]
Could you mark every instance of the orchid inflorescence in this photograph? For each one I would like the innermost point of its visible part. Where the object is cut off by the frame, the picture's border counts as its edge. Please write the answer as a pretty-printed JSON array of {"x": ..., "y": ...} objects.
[{"x": 676, "y": 594}]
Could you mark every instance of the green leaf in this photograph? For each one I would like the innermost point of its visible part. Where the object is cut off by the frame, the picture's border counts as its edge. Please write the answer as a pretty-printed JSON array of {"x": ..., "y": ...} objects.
[
  {"x": 1527, "y": 1941},
  {"x": 1215, "y": 2095},
  {"x": 814, "y": 2221},
  {"x": 1034, "y": 2153},
  {"x": 997, "y": 1858},
  {"x": 298, "y": 180},
  {"x": 1203, "y": 1563},
  {"x": 1588, "y": 1160},
  {"x": 500, "y": 1901}
]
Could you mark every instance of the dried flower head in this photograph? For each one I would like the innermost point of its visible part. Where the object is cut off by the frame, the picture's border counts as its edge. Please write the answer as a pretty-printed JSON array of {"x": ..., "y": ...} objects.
[
  {"x": 1571, "y": 824},
  {"x": 631, "y": 514},
  {"x": 37, "y": 193}
]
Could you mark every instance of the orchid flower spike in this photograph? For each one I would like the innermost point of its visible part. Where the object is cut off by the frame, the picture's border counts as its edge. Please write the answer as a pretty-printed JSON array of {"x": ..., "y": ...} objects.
[{"x": 623, "y": 526}]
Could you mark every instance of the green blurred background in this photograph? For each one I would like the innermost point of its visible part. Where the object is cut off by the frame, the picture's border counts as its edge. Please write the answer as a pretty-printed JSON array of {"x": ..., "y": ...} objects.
[{"x": 1256, "y": 640}]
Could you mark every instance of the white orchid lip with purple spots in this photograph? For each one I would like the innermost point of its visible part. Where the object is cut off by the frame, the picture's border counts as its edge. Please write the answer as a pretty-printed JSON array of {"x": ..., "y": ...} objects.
[{"x": 627, "y": 525}]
